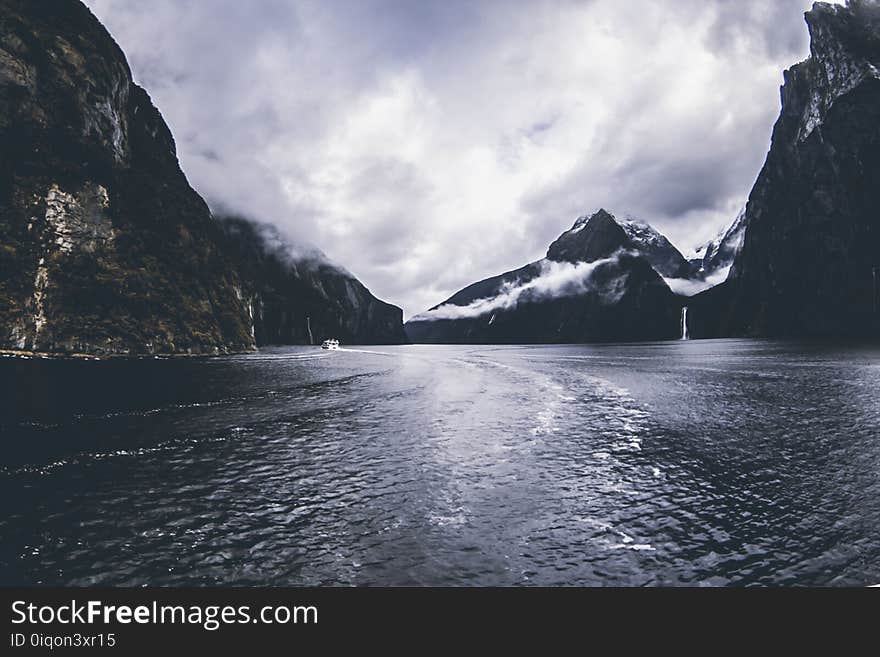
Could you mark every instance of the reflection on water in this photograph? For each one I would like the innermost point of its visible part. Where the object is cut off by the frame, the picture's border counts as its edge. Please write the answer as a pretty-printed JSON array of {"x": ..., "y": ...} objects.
[{"x": 698, "y": 462}]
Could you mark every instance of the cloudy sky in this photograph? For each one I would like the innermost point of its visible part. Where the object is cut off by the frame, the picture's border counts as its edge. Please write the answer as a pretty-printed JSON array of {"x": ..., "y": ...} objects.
[{"x": 426, "y": 144}]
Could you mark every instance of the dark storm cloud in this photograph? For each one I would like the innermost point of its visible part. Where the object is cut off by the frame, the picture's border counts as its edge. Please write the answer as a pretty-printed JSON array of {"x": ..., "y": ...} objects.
[
  {"x": 424, "y": 145},
  {"x": 672, "y": 189}
]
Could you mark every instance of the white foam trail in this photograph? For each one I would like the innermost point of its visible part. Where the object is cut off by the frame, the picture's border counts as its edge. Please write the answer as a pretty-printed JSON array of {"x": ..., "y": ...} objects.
[
  {"x": 363, "y": 351},
  {"x": 286, "y": 356}
]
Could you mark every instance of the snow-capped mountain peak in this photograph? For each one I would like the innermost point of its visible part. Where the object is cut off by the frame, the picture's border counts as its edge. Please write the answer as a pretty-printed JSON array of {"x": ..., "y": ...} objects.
[
  {"x": 601, "y": 233},
  {"x": 721, "y": 251},
  {"x": 642, "y": 233}
]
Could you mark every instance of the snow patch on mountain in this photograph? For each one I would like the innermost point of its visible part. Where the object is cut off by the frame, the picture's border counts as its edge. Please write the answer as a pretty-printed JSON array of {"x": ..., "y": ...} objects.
[
  {"x": 642, "y": 234},
  {"x": 720, "y": 252}
]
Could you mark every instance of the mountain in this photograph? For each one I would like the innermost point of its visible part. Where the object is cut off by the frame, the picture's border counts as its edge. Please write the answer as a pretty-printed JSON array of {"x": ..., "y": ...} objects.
[
  {"x": 594, "y": 285},
  {"x": 655, "y": 248},
  {"x": 104, "y": 246},
  {"x": 302, "y": 298},
  {"x": 718, "y": 254},
  {"x": 810, "y": 260},
  {"x": 607, "y": 233}
]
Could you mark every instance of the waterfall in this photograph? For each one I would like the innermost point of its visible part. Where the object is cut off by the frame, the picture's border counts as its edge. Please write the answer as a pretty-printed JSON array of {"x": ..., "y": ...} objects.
[
  {"x": 309, "y": 327},
  {"x": 684, "y": 324}
]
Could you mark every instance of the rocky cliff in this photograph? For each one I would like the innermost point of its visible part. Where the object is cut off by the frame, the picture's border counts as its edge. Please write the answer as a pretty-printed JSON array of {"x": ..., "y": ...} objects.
[
  {"x": 297, "y": 297},
  {"x": 596, "y": 284},
  {"x": 104, "y": 247},
  {"x": 810, "y": 260}
]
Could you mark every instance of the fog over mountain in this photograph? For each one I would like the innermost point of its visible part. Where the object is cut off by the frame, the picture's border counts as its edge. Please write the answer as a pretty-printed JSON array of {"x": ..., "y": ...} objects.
[
  {"x": 426, "y": 145},
  {"x": 553, "y": 280}
]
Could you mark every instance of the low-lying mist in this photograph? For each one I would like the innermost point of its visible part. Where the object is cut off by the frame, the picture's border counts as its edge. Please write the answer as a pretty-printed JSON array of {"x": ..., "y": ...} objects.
[
  {"x": 293, "y": 253},
  {"x": 690, "y": 286},
  {"x": 555, "y": 280}
]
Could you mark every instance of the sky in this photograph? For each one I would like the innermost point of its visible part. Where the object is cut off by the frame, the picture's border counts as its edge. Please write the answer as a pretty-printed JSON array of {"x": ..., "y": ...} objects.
[{"x": 425, "y": 145}]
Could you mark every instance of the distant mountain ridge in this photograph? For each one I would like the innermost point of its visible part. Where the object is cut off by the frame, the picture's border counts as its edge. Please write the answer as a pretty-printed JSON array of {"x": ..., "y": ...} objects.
[
  {"x": 304, "y": 299},
  {"x": 608, "y": 233},
  {"x": 801, "y": 260},
  {"x": 656, "y": 248},
  {"x": 597, "y": 283},
  {"x": 720, "y": 252}
]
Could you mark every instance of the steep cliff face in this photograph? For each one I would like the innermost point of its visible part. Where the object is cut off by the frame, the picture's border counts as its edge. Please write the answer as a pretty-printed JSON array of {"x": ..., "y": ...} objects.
[
  {"x": 302, "y": 298},
  {"x": 594, "y": 285},
  {"x": 104, "y": 247},
  {"x": 810, "y": 261}
]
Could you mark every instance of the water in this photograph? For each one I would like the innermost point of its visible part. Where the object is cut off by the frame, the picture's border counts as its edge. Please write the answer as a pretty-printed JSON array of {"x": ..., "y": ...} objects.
[
  {"x": 685, "y": 335},
  {"x": 677, "y": 463}
]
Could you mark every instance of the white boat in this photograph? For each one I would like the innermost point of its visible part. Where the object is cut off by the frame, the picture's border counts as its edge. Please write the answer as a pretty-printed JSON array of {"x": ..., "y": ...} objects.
[{"x": 330, "y": 344}]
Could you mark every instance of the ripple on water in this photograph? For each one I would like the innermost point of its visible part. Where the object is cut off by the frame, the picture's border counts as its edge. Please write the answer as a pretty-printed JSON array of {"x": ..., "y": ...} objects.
[{"x": 702, "y": 463}]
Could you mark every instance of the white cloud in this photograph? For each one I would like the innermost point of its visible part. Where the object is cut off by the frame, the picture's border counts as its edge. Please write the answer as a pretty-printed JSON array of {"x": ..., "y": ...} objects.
[
  {"x": 689, "y": 287},
  {"x": 426, "y": 145}
]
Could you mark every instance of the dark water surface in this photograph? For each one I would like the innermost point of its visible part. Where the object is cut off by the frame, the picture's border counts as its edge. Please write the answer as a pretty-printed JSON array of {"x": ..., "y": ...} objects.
[{"x": 705, "y": 462}]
